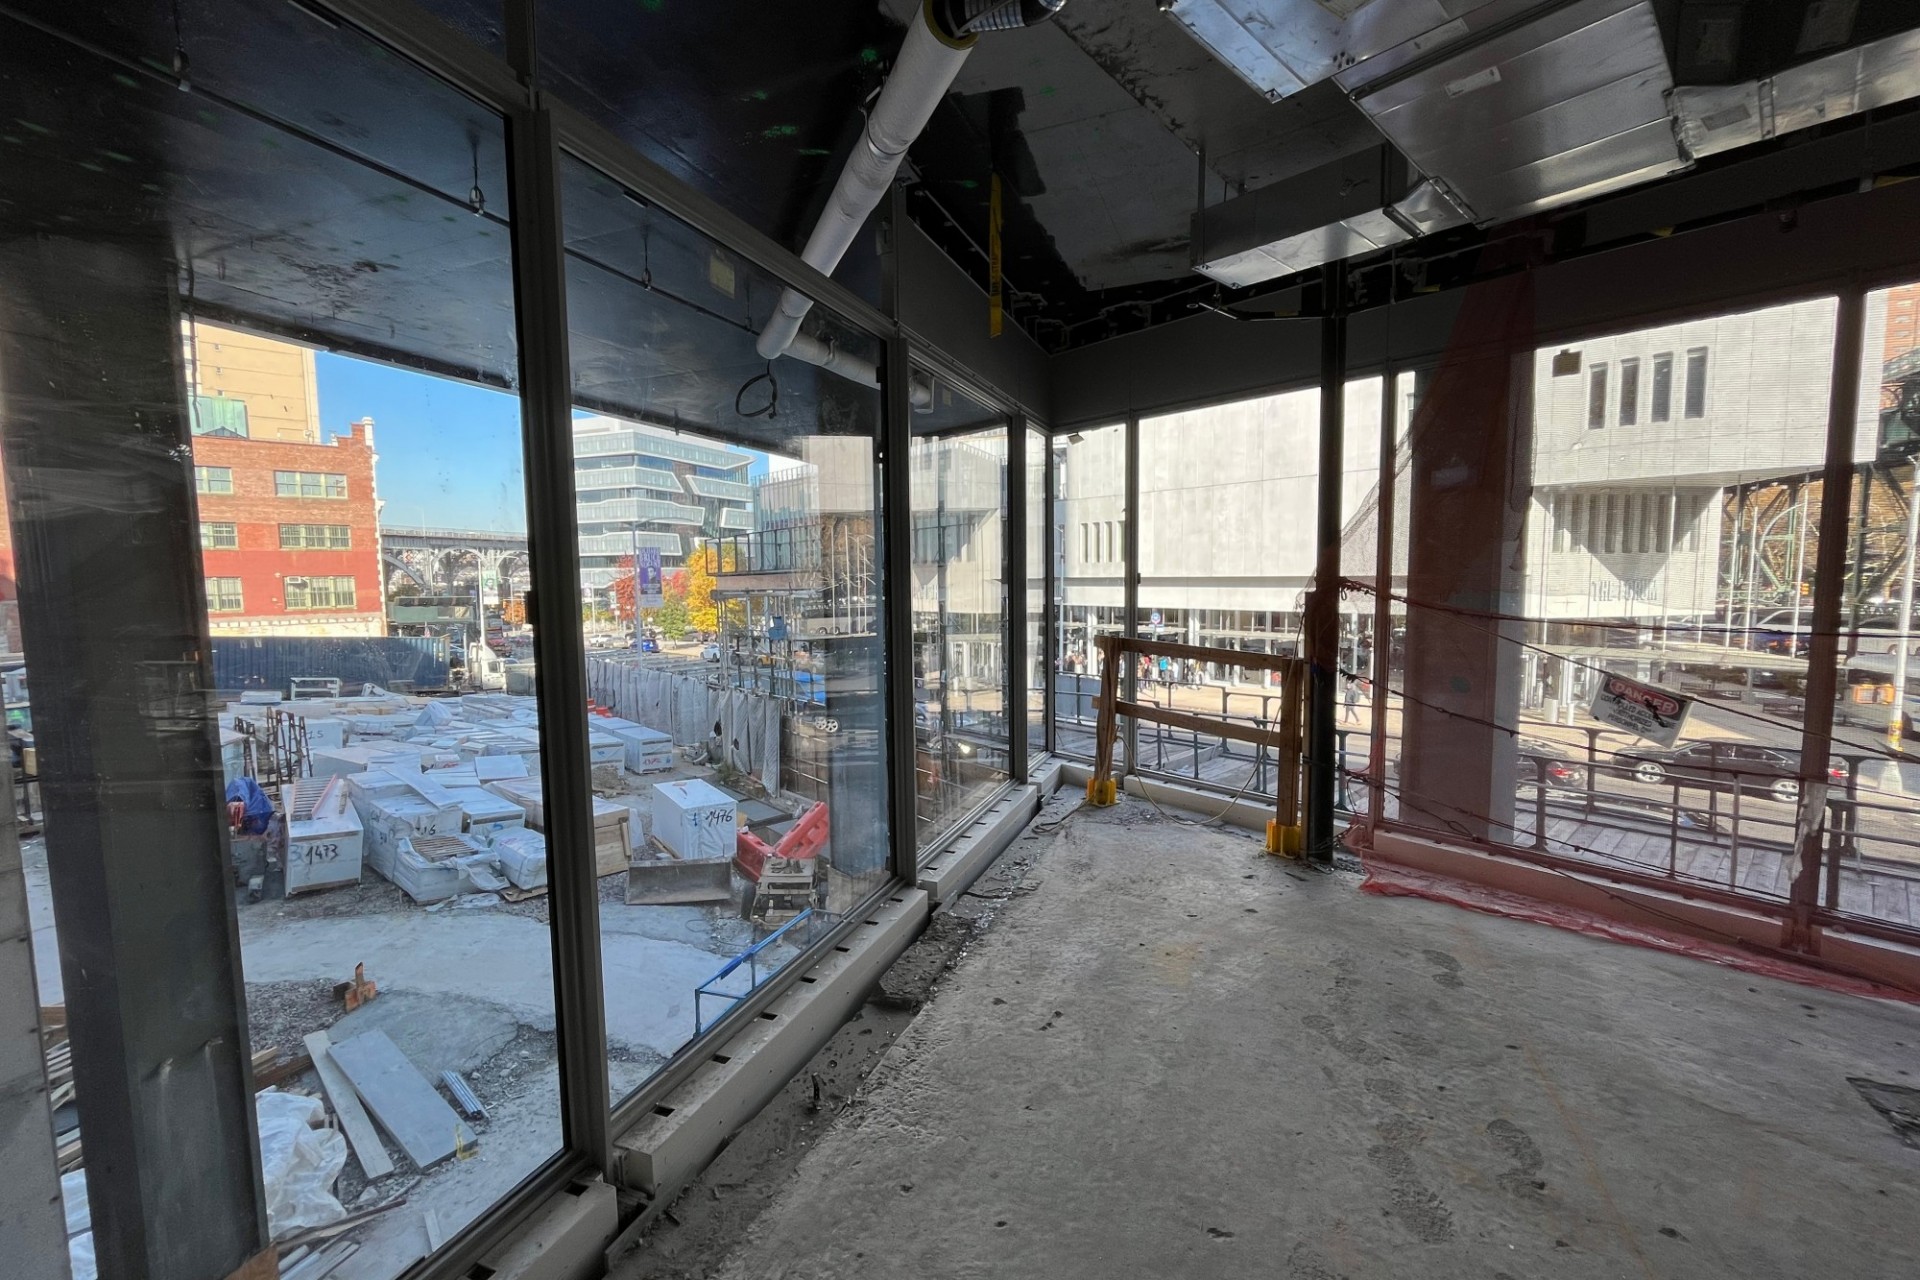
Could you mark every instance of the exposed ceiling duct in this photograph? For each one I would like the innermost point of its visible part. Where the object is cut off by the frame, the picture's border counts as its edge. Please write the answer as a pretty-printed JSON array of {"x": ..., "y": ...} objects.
[
  {"x": 939, "y": 37},
  {"x": 1282, "y": 46},
  {"x": 1715, "y": 118},
  {"x": 1348, "y": 207},
  {"x": 1567, "y": 105}
]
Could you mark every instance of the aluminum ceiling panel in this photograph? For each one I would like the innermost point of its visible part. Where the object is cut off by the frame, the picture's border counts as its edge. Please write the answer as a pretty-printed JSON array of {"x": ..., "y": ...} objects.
[
  {"x": 1282, "y": 46},
  {"x": 1566, "y": 106}
]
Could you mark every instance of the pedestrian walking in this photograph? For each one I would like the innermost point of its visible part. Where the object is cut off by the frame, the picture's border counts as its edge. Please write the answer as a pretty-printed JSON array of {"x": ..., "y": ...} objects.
[{"x": 1351, "y": 697}]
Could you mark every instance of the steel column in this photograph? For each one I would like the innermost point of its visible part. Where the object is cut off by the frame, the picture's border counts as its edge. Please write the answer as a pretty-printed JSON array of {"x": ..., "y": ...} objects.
[
  {"x": 1382, "y": 598},
  {"x": 1829, "y": 583},
  {"x": 113, "y": 614},
  {"x": 1014, "y": 556},
  {"x": 1323, "y": 614},
  {"x": 546, "y": 420},
  {"x": 1130, "y": 589},
  {"x": 1050, "y": 613},
  {"x": 895, "y": 531}
]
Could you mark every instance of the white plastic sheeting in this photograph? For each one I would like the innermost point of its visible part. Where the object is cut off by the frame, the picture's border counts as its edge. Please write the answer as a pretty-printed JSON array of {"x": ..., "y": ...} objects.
[
  {"x": 299, "y": 1161},
  {"x": 688, "y": 709}
]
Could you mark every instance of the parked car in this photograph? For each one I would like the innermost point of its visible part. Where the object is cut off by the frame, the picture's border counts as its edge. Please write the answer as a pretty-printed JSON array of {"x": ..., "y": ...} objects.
[
  {"x": 1756, "y": 770},
  {"x": 1562, "y": 769},
  {"x": 709, "y": 653}
]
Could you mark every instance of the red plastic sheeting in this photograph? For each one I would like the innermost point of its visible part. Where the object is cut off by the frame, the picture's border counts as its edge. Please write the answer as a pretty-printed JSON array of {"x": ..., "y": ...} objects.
[{"x": 1401, "y": 882}]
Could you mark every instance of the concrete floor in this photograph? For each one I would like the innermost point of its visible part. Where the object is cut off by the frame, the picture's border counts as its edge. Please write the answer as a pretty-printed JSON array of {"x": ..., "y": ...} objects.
[{"x": 1175, "y": 1056}]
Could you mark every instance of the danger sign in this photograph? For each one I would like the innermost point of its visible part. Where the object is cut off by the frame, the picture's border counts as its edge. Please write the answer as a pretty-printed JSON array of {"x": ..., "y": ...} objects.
[{"x": 1639, "y": 708}]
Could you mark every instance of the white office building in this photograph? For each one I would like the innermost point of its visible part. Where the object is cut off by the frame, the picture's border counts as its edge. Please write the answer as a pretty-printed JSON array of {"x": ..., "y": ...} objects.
[{"x": 641, "y": 486}]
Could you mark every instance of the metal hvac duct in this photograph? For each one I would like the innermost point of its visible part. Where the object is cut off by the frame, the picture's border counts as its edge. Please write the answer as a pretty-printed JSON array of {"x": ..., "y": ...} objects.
[
  {"x": 1569, "y": 104},
  {"x": 938, "y": 40},
  {"x": 1282, "y": 46},
  {"x": 1350, "y": 206},
  {"x": 1715, "y": 118}
]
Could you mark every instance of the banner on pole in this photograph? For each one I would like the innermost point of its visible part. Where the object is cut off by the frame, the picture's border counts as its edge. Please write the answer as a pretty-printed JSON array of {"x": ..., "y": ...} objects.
[{"x": 649, "y": 584}]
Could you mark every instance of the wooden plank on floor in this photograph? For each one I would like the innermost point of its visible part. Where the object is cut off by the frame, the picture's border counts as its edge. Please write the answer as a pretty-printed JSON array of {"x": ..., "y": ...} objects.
[
  {"x": 373, "y": 1158},
  {"x": 407, "y": 1107}
]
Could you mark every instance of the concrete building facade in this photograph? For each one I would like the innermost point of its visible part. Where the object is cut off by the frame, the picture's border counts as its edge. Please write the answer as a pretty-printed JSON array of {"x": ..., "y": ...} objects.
[{"x": 1638, "y": 439}]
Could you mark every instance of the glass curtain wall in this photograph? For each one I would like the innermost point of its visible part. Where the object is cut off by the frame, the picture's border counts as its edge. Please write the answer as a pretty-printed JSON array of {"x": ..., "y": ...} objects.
[
  {"x": 298, "y": 306},
  {"x": 1089, "y": 522},
  {"x": 962, "y": 726},
  {"x": 1227, "y": 555},
  {"x": 728, "y": 512},
  {"x": 1655, "y": 524}
]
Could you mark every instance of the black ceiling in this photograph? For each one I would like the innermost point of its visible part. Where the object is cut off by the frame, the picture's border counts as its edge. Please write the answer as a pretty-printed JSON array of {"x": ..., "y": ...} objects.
[{"x": 1095, "y": 125}]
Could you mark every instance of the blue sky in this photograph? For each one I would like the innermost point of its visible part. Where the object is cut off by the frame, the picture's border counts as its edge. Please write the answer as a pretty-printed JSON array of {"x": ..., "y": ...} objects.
[{"x": 449, "y": 451}]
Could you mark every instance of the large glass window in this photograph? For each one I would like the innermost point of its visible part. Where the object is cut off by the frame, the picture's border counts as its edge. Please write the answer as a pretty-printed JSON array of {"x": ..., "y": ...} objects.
[
  {"x": 1693, "y": 578},
  {"x": 1090, "y": 491},
  {"x": 313, "y": 789},
  {"x": 962, "y": 729},
  {"x": 728, "y": 513},
  {"x": 1227, "y": 555}
]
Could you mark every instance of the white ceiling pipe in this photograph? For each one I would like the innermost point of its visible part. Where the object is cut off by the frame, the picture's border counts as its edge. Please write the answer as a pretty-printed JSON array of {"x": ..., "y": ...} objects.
[
  {"x": 921, "y": 76},
  {"x": 854, "y": 369}
]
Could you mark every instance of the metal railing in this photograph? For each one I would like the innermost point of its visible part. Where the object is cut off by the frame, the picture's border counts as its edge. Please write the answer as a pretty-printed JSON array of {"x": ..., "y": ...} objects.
[{"x": 750, "y": 958}]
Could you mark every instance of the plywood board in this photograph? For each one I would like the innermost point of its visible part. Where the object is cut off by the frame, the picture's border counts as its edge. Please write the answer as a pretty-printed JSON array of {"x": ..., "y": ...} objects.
[
  {"x": 407, "y": 1107},
  {"x": 373, "y": 1158}
]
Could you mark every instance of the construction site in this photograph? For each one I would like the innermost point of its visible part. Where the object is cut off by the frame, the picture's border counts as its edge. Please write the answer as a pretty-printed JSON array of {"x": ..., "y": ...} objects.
[{"x": 1221, "y": 638}]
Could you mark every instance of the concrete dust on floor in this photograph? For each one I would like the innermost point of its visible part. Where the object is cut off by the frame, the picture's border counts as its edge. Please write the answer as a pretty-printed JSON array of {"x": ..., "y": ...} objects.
[{"x": 1172, "y": 1055}]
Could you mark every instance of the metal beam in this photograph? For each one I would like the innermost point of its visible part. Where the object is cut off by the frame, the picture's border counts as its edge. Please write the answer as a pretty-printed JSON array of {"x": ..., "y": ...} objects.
[
  {"x": 546, "y": 420},
  {"x": 1829, "y": 584},
  {"x": 896, "y": 558},
  {"x": 1013, "y": 578},
  {"x": 113, "y": 613},
  {"x": 1323, "y": 621}
]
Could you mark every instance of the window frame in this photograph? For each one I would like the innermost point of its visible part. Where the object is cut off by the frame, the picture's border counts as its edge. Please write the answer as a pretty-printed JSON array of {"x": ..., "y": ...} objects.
[
  {"x": 1628, "y": 413},
  {"x": 1597, "y": 395},
  {"x": 207, "y": 542},
  {"x": 299, "y": 481},
  {"x": 215, "y": 595},
  {"x": 203, "y": 480},
  {"x": 1693, "y": 401},
  {"x": 345, "y": 544},
  {"x": 308, "y": 605}
]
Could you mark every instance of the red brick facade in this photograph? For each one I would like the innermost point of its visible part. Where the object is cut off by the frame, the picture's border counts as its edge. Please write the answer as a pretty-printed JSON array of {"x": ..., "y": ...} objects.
[{"x": 263, "y": 564}]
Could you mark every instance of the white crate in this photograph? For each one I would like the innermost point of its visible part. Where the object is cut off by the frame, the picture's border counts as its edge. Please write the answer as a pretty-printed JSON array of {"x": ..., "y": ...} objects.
[
  {"x": 486, "y": 814},
  {"x": 325, "y": 838},
  {"x": 645, "y": 750},
  {"x": 695, "y": 819}
]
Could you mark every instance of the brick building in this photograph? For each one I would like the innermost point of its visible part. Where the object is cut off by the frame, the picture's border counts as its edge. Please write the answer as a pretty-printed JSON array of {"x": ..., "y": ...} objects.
[{"x": 290, "y": 534}]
